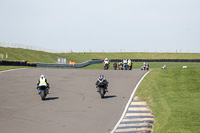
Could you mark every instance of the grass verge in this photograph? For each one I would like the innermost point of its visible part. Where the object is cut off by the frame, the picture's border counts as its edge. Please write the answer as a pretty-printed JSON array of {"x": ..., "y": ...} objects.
[
  {"x": 153, "y": 65},
  {"x": 173, "y": 95},
  {"x": 32, "y": 56},
  {"x": 3, "y": 68}
]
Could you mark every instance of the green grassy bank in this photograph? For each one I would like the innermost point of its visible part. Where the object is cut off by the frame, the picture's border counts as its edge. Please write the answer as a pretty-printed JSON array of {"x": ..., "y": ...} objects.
[
  {"x": 153, "y": 65},
  {"x": 32, "y": 56},
  {"x": 174, "y": 97}
]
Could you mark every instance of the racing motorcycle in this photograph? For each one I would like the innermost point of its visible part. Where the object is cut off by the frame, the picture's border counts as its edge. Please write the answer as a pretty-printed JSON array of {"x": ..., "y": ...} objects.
[
  {"x": 125, "y": 66},
  {"x": 147, "y": 67},
  {"x": 129, "y": 66},
  {"x": 143, "y": 67},
  {"x": 115, "y": 66},
  {"x": 43, "y": 91},
  {"x": 120, "y": 66},
  {"x": 102, "y": 87},
  {"x": 106, "y": 65}
]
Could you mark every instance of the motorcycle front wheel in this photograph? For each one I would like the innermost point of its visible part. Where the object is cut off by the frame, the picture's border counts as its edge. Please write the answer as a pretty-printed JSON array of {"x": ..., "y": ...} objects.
[{"x": 102, "y": 92}]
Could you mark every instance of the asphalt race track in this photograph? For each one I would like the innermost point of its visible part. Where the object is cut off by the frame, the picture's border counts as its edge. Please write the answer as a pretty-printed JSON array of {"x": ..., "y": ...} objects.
[{"x": 73, "y": 105}]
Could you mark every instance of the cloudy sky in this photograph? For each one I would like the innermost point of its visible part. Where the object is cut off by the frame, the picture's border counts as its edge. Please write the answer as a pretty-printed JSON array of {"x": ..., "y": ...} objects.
[{"x": 96, "y": 25}]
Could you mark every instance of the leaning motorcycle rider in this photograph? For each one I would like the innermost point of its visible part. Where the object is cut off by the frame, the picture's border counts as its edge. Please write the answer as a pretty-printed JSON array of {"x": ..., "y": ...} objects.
[
  {"x": 42, "y": 81},
  {"x": 100, "y": 79}
]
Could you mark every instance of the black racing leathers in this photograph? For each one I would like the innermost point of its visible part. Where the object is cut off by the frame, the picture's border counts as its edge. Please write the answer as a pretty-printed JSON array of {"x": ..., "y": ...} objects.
[{"x": 105, "y": 84}]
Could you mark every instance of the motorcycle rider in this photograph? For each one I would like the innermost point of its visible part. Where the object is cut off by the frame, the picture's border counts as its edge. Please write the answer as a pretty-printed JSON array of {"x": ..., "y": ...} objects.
[
  {"x": 106, "y": 60},
  {"x": 106, "y": 63},
  {"x": 130, "y": 64},
  {"x": 125, "y": 64},
  {"x": 144, "y": 66},
  {"x": 147, "y": 65},
  {"x": 101, "y": 78},
  {"x": 42, "y": 81},
  {"x": 120, "y": 66},
  {"x": 115, "y": 65}
]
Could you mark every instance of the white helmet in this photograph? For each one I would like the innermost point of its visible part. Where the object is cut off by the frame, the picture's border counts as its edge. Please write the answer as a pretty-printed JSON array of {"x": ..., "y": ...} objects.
[{"x": 42, "y": 76}]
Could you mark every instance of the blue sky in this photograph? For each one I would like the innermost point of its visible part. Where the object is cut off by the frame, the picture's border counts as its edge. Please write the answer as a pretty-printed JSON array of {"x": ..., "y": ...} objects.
[{"x": 97, "y": 25}]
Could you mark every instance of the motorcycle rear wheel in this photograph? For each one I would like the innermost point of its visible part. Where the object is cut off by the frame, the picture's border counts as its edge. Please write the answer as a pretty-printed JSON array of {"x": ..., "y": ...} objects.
[{"x": 42, "y": 94}]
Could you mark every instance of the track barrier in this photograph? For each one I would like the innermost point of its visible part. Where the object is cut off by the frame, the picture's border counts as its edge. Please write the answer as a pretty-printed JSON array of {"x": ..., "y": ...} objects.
[
  {"x": 16, "y": 63},
  {"x": 76, "y": 65}
]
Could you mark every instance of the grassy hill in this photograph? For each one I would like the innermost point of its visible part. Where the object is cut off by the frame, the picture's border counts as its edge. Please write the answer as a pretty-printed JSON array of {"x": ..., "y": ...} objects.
[
  {"x": 33, "y": 56},
  {"x": 30, "y": 55}
]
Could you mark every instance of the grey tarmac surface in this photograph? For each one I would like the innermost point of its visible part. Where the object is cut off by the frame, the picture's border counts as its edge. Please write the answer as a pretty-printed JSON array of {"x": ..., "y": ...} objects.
[{"x": 73, "y": 105}]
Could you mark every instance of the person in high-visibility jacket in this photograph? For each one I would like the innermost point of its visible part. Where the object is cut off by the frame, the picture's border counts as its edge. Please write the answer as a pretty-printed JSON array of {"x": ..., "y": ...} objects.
[{"x": 42, "y": 81}]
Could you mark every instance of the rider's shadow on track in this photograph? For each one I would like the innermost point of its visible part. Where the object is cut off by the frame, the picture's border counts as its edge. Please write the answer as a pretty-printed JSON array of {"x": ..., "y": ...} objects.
[
  {"x": 111, "y": 96},
  {"x": 51, "y": 98}
]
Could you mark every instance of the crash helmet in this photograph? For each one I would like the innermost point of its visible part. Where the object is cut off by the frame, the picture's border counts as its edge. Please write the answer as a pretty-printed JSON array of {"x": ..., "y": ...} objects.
[
  {"x": 101, "y": 77},
  {"x": 42, "y": 76}
]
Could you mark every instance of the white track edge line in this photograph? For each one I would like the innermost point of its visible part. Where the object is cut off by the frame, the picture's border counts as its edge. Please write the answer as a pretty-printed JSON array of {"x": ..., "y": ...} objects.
[
  {"x": 127, "y": 105},
  {"x": 12, "y": 70}
]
